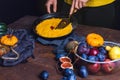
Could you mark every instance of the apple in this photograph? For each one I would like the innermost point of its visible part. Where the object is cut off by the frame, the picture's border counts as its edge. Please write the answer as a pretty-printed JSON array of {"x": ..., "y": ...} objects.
[
  {"x": 93, "y": 51},
  {"x": 94, "y": 67},
  {"x": 109, "y": 66}
]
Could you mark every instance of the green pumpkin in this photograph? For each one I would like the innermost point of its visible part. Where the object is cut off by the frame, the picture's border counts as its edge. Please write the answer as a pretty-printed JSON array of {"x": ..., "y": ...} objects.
[{"x": 3, "y": 28}]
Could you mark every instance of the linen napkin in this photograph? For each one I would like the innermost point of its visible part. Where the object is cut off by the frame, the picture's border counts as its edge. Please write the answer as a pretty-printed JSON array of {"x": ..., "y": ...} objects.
[
  {"x": 24, "y": 48},
  {"x": 60, "y": 43}
]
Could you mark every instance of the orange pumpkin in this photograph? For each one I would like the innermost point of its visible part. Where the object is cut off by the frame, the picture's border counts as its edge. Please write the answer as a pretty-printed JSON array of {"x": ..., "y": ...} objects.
[
  {"x": 9, "y": 40},
  {"x": 95, "y": 40}
]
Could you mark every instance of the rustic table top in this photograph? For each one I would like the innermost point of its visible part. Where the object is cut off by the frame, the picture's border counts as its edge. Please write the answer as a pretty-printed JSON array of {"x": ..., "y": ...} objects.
[{"x": 44, "y": 58}]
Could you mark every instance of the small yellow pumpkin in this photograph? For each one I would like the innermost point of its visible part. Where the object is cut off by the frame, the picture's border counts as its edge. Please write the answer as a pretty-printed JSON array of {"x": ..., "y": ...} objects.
[
  {"x": 95, "y": 40},
  {"x": 9, "y": 40}
]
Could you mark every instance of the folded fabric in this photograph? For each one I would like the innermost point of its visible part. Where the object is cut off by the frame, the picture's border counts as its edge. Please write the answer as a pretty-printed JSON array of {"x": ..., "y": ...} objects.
[
  {"x": 24, "y": 48},
  {"x": 60, "y": 43}
]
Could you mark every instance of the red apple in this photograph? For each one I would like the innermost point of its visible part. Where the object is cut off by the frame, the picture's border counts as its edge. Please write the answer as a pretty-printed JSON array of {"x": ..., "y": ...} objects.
[
  {"x": 109, "y": 66},
  {"x": 94, "y": 67},
  {"x": 93, "y": 51}
]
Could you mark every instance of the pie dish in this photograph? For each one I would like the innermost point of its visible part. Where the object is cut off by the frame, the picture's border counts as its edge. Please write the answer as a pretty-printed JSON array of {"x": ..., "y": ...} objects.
[{"x": 45, "y": 26}]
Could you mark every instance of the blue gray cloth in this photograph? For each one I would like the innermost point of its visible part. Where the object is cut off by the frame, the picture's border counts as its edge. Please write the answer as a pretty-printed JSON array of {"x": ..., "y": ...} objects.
[
  {"x": 59, "y": 43},
  {"x": 25, "y": 47}
]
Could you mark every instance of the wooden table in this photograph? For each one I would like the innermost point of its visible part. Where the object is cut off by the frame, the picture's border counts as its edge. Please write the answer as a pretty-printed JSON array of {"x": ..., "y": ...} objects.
[{"x": 44, "y": 58}]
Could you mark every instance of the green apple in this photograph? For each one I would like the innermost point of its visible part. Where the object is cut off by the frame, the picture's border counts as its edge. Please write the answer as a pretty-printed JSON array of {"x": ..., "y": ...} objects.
[{"x": 114, "y": 53}]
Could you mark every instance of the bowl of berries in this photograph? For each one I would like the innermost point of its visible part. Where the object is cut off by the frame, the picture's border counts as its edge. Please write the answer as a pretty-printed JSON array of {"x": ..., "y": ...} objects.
[{"x": 97, "y": 56}]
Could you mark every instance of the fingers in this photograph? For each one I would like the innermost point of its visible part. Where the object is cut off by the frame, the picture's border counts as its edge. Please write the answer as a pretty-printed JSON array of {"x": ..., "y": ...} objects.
[
  {"x": 84, "y": 4},
  {"x": 53, "y": 4},
  {"x": 72, "y": 7},
  {"x": 77, "y": 4},
  {"x": 80, "y": 4},
  {"x": 48, "y": 7}
]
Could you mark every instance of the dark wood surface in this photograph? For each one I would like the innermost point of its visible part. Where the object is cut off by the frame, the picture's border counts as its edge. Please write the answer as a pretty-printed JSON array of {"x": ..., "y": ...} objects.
[{"x": 44, "y": 58}]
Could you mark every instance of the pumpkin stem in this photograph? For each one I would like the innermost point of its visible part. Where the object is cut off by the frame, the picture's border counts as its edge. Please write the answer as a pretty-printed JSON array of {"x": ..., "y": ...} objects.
[
  {"x": 11, "y": 32},
  {"x": 9, "y": 35}
]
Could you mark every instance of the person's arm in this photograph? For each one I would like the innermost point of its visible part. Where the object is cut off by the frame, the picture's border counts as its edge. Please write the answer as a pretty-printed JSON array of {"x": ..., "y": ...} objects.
[
  {"x": 77, "y": 4},
  {"x": 51, "y": 3}
]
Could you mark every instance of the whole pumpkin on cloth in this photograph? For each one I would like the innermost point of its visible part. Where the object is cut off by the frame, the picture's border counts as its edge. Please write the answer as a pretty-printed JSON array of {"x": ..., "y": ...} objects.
[
  {"x": 9, "y": 40},
  {"x": 46, "y": 28},
  {"x": 95, "y": 40}
]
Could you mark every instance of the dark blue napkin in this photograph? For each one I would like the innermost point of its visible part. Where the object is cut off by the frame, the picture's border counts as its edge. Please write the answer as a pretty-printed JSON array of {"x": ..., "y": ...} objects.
[
  {"x": 60, "y": 43},
  {"x": 24, "y": 47}
]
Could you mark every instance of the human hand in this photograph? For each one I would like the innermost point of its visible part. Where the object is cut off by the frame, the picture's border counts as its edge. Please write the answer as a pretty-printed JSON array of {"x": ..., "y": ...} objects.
[
  {"x": 77, "y": 4},
  {"x": 51, "y": 3}
]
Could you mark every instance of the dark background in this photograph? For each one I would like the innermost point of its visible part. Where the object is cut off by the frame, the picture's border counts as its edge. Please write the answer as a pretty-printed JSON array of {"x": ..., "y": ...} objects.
[
  {"x": 11, "y": 10},
  {"x": 117, "y": 22}
]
